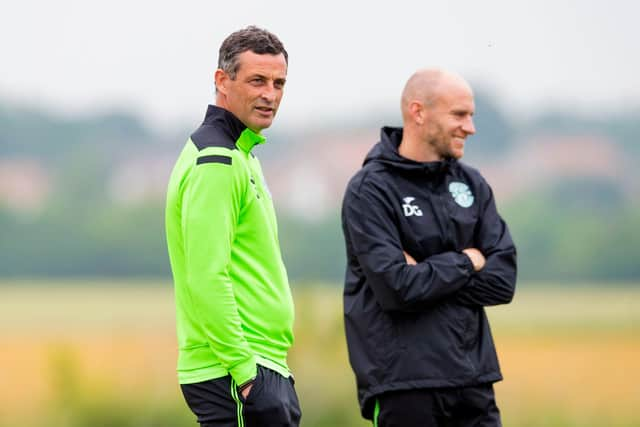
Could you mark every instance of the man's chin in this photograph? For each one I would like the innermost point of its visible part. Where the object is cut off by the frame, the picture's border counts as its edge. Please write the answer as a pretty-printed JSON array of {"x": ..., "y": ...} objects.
[{"x": 258, "y": 125}]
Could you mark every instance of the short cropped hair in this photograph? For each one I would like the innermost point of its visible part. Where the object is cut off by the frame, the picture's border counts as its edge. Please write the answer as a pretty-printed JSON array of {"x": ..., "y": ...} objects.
[{"x": 252, "y": 38}]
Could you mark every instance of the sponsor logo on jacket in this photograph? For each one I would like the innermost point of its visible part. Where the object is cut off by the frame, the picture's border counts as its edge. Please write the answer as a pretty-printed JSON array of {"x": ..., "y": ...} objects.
[{"x": 409, "y": 209}]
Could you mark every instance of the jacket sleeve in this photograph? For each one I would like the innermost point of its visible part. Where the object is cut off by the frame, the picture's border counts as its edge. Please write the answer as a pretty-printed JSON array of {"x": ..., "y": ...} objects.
[
  {"x": 495, "y": 283},
  {"x": 210, "y": 209},
  {"x": 370, "y": 231}
]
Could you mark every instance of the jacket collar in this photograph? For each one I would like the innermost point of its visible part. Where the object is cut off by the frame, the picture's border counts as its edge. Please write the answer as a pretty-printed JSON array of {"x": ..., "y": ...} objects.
[
  {"x": 386, "y": 152},
  {"x": 244, "y": 137}
]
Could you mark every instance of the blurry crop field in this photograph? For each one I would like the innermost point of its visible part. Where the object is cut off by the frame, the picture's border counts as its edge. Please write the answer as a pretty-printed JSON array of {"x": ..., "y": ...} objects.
[{"x": 80, "y": 354}]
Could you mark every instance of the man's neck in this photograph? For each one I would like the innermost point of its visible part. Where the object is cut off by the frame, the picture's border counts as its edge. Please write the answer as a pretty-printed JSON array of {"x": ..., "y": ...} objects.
[{"x": 414, "y": 149}]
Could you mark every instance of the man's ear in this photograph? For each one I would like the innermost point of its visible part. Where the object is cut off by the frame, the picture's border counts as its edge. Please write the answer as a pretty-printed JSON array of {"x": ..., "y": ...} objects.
[
  {"x": 417, "y": 112},
  {"x": 221, "y": 79}
]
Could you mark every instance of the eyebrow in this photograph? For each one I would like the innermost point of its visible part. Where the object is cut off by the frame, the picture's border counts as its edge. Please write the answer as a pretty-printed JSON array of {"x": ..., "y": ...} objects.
[{"x": 263, "y": 76}]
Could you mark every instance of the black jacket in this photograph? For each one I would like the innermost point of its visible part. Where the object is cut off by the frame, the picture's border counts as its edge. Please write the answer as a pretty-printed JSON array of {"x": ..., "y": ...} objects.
[{"x": 421, "y": 326}]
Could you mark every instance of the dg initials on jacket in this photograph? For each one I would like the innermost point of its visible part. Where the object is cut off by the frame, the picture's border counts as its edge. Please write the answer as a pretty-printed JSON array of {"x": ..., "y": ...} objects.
[{"x": 409, "y": 209}]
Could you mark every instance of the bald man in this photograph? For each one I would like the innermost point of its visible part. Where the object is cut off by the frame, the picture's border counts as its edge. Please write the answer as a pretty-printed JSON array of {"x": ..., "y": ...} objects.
[{"x": 426, "y": 252}]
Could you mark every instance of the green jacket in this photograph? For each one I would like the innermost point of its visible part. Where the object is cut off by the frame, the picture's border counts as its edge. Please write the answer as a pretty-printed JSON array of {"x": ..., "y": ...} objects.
[{"x": 233, "y": 302}]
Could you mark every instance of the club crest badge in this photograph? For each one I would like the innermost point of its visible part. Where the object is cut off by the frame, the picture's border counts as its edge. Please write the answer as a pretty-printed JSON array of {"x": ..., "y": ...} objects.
[{"x": 461, "y": 194}]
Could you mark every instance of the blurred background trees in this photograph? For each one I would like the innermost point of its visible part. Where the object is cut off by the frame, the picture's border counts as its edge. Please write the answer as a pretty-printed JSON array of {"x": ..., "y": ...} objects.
[{"x": 84, "y": 196}]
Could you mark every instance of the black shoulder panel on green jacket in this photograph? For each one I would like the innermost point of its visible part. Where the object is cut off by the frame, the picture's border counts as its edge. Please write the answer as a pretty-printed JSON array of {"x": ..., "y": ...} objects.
[
  {"x": 219, "y": 129},
  {"x": 225, "y": 160},
  {"x": 212, "y": 136}
]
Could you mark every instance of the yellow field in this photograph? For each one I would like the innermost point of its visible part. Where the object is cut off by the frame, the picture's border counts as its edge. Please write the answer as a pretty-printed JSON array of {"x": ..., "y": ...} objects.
[{"x": 84, "y": 354}]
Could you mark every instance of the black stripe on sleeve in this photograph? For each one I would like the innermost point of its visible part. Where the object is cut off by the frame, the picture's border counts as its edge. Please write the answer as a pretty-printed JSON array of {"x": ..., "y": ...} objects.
[{"x": 225, "y": 160}]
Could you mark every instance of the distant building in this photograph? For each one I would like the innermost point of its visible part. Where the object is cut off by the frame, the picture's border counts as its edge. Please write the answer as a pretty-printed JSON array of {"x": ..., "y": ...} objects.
[{"x": 24, "y": 184}]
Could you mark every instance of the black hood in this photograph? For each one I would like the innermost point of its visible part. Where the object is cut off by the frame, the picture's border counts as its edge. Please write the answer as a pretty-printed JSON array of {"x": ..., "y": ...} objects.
[{"x": 386, "y": 152}]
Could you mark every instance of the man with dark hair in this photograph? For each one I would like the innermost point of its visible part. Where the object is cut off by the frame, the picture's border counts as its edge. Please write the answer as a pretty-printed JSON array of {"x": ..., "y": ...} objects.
[
  {"x": 426, "y": 252},
  {"x": 234, "y": 310}
]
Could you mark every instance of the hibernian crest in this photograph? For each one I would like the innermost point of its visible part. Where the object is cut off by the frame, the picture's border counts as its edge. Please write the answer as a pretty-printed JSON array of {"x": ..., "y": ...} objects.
[{"x": 461, "y": 194}]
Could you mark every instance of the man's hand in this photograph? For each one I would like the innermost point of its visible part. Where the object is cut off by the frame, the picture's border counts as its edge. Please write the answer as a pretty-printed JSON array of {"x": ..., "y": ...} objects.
[
  {"x": 477, "y": 259},
  {"x": 245, "y": 391},
  {"x": 409, "y": 258}
]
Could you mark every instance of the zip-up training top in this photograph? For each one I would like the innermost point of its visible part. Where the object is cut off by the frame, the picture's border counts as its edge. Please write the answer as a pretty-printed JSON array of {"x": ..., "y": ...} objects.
[{"x": 233, "y": 302}]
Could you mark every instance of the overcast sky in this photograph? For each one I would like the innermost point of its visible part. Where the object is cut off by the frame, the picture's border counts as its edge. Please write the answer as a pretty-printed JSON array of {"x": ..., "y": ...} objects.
[{"x": 346, "y": 57}]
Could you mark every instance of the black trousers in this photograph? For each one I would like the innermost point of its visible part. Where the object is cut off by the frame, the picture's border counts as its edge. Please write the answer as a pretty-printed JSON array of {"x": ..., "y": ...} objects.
[
  {"x": 272, "y": 402},
  {"x": 440, "y": 407}
]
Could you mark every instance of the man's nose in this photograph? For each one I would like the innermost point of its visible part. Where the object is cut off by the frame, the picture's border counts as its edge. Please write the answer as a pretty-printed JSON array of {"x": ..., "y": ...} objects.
[
  {"x": 468, "y": 126},
  {"x": 269, "y": 93}
]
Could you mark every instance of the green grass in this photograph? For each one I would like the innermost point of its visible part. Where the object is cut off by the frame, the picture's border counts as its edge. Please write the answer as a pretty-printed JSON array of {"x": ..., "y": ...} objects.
[
  {"x": 102, "y": 353},
  {"x": 554, "y": 309}
]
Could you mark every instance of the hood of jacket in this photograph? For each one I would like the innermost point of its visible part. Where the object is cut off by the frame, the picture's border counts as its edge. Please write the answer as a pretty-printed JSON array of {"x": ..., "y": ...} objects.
[{"x": 386, "y": 152}]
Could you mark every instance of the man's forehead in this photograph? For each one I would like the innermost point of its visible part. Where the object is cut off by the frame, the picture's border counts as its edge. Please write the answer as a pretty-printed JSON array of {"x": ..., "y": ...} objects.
[
  {"x": 251, "y": 62},
  {"x": 461, "y": 104}
]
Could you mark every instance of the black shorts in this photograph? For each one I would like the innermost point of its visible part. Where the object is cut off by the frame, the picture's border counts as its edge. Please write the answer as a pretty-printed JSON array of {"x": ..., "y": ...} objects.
[
  {"x": 438, "y": 407},
  {"x": 272, "y": 401}
]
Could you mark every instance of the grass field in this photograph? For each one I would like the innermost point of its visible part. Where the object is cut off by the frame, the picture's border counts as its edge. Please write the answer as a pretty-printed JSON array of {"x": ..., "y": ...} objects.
[{"x": 80, "y": 354}]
